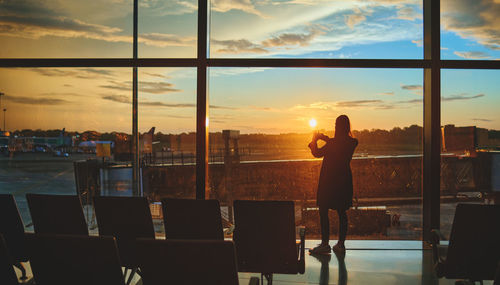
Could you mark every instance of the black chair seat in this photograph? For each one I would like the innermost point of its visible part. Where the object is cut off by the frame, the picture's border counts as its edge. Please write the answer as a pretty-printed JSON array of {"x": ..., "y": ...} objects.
[
  {"x": 57, "y": 214},
  {"x": 474, "y": 248},
  {"x": 265, "y": 238},
  {"x": 76, "y": 260},
  {"x": 126, "y": 219},
  {"x": 192, "y": 219},
  {"x": 188, "y": 262}
]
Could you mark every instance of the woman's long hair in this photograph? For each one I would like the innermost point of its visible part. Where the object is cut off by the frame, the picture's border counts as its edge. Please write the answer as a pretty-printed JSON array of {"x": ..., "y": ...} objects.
[{"x": 343, "y": 127}]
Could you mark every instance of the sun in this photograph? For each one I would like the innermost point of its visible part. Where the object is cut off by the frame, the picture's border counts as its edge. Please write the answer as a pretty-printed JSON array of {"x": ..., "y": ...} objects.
[{"x": 312, "y": 123}]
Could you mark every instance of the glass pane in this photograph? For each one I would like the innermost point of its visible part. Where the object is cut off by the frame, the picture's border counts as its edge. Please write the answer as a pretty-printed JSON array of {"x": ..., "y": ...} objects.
[
  {"x": 71, "y": 28},
  {"x": 316, "y": 29},
  {"x": 260, "y": 130},
  {"x": 470, "y": 29},
  {"x": 470, "y": 161},
  {"x": 58, "y": 121},
  {"x": 167, "y": 123},
  {"x": 167, "y": 28}
]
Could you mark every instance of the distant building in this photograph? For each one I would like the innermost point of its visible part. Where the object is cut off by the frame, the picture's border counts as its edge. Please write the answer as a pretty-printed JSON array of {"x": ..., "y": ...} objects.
[{"x": 469, "y": 139}]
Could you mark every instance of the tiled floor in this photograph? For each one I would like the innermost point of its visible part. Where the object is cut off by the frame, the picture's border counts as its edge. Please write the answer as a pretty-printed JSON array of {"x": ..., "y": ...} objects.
[{"x": 366, "y": 262}]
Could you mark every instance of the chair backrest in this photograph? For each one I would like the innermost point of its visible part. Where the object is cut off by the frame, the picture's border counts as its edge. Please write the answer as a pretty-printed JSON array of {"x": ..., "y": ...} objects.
[
  {"x": 189, "y": 262},
  {"x": 474, "y": 247},
  {"x": 7, "y": 274},
  {"x": 125, "y": 218},
  {"x": 264, "y": 236},
  {"x": 57, "y": 214},
  {"x": 79, "y": 260},
  {"x": 192, "y": 219},
  {"x": 12, "y": 228}
]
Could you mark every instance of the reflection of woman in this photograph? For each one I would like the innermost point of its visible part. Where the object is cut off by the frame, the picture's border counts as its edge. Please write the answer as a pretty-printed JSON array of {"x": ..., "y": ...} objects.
[{"x": 335, "y": 181}]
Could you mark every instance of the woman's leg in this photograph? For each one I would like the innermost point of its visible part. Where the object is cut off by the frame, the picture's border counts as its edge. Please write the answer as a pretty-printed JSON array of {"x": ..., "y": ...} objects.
[
  {"x": 342, "y": 227},
  {"x": 325, "y": 225}
]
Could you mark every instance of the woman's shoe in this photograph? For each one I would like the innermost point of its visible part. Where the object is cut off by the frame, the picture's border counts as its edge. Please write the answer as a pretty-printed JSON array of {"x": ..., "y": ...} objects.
[{"x": 320, "y": 249}]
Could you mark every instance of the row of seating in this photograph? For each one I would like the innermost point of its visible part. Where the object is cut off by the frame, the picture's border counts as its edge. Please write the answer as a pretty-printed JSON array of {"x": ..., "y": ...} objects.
[
  {"x": 264, "y": 235},
  {"x": 84, "y": 260}
]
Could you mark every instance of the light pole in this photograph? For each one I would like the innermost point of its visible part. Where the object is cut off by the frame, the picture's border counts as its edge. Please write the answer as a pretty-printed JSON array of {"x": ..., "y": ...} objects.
[
  {"x": 2, "y": 94},
  {"x": 4, "y": 110}
]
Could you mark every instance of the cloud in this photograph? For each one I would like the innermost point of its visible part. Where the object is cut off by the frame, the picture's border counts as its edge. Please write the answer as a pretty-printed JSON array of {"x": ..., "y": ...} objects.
[
  {"x": 288, "y": 39},
  {"x": 419, "y": 43},
  {"x": 472, "y": 54},
  {"x": 280, "y": 40},
  {"x": 127, "y": 100},
  {"x": 63, "y": 94},
  {"x": 157, "y": 87},
  {"x": 144, "y": 86},
  {"x": 83, "y": 73},
  {"x": 412, "y": 101},
  {"x": 35, "y": 101},
  {"x": 354, "y": 19},
  {"x": 118, "y": 98},
  {"x": 473, "y": 19},
  {"x": 158, "y": 75},
  {"x": 242, "y": 5},
  {"x": 169, "y": 105},
  {"x": 391, "y": 93},
  {"x": 164, "y": 40},
  {"x": 238, "y": 46},
  {"x": 408, "y": 13},
  {"x": 416, "y": 89},
  {"x": 481, "y": 120},
  {"x": 36, "y": 27},
  {"x": 162, "y": 8},
  {"x": 460, "y": 97},
  {"x": 223, "y": 107},
  {"x": 327, "y": 106},
  {"x": 358, "y": 103}
]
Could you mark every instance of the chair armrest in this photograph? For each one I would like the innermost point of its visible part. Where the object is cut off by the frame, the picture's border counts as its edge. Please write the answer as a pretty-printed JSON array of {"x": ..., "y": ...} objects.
[
  {"x": 302, "y": 235},
  {"x": 229, "y": 230},
  {"x": 27, "y": 281},
  {"x": 254, "y": 281}
]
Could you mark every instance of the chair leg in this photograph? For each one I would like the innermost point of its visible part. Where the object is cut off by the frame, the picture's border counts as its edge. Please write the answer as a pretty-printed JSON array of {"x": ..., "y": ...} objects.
[
  {"x": 23, "y": 270},
  {"x": 131, "y": 276},
  {"x": 268, "y": 276}
]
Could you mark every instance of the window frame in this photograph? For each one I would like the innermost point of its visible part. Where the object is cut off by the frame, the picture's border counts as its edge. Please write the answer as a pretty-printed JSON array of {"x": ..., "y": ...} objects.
[{"x": 431, "y": 64}]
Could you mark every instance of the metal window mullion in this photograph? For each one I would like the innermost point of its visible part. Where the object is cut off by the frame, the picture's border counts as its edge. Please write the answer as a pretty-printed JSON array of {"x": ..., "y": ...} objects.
[
  {"x": 431, "y": 163},
  {"x": 202, "y": 102},
  {"x": 135, "y": 119}
]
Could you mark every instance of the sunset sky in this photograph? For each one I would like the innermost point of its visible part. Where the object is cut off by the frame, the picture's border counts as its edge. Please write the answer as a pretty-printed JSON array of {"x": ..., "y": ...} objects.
[{"x": 252, "y": 100}]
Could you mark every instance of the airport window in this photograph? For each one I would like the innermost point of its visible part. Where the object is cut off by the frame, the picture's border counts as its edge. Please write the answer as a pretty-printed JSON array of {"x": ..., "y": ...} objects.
[{"x": 229, "y": 71}]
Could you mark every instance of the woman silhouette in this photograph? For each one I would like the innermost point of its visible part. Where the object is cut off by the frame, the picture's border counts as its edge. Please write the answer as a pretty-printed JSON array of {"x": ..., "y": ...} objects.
[{"x": 335, "y": 181}]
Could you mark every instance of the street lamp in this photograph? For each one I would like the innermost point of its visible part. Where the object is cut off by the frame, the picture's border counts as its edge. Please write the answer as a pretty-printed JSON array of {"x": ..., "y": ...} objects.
[
  {"x": 2, "y": 94},
  {"x": 4, "y": 110}
]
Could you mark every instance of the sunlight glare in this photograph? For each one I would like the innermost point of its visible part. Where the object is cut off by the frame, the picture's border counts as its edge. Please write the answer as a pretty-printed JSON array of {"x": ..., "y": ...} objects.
[{"x": 312, "y": 123}]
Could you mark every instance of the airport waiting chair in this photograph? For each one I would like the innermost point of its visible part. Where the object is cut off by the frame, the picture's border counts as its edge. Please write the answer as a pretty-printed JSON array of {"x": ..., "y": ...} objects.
[
  {"x": 125, "y": 218},
  {"x": 75, "y": 260},
  {"x": 57, "y": 214},
  {"x": 265, "y": 239},
  {"x": 188, "y": 262},
  {"x": 7, "y": 274},
  {"x": 192, "y": 219},
  {"x": 473, "y": 251},
  {"x": 12, "y": 228}
]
